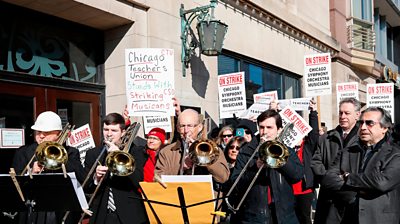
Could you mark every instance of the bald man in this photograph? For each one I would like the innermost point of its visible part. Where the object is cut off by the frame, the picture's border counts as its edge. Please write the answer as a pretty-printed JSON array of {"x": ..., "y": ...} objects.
[{"x": 173, "y": 159}]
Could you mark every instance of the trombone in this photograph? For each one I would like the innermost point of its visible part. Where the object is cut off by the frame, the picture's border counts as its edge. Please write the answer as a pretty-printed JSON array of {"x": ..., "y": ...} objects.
[
  {"x": 273, "y": 153},
  {"x": 120, "y": 163},
  {"x": 52, "y": 154}
]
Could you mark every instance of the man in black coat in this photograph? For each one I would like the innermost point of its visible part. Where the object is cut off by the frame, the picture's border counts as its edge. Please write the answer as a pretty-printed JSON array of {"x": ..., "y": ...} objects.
[
  {"x": 47, "y": 128},
  {"x": 367, "y": 174},
  {"x": 124, "y": 190},
  {"x": 271, "y": 198},
  {"x": 329, "y": 146}
]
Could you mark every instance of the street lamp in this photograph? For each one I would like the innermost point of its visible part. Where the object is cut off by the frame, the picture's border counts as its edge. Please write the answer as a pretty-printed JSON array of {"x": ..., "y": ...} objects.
[{"x": 211, "y": 33}]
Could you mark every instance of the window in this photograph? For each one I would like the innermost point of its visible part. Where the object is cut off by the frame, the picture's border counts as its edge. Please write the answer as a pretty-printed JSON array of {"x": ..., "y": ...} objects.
[
  {"x": 260, "y": 77},
  {"x": 362, "y": 9}
]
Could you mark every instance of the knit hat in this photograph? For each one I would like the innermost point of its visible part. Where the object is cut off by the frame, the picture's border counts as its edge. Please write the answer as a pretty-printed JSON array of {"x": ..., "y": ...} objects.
[
  {"x": 47, "y": 121},
  {"x": 159, "y": 133}
]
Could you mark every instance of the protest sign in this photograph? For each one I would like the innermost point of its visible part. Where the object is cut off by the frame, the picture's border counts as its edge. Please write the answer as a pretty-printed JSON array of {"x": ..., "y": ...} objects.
[
  {"x": 381, "y": 95},
  {"x": 232, "y": 94},
  {"x": 301, "y": 127},
  {"x": 149, "y": 74},
  {"x": 82, "y": 139},
  {"x": 346, "y": 90},
  {"x": 317, "y": 74},
  {"x": 150, "y": 122},
  {"x": 265, "y": 97}
]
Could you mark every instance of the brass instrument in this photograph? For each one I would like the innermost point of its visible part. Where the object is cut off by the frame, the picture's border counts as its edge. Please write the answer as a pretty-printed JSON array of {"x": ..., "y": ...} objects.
[
  {"x": 203, "y": 152},
  {"x": 273, "y": 153},
  {"x": 52, "y": 155},
  {"x": 119, "y": 163},
  {"x": 122, "y": 163}
]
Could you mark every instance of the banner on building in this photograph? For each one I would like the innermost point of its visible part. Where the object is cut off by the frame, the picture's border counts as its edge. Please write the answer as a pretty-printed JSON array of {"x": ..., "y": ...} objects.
[
  {"x": 150, "y": 122},
  {"x": 232, "y": 94},
  {"x": 301, "y": 127},
  {"x": 381, "y": 95},
  {"x": 149, "y": 74},
  {"x": 317, "y": 74}
]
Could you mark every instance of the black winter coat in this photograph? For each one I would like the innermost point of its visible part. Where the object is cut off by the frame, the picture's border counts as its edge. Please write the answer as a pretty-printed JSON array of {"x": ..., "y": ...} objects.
[
  {"x": 375, "y": 190},
  {"x": 255, "y": 208}
]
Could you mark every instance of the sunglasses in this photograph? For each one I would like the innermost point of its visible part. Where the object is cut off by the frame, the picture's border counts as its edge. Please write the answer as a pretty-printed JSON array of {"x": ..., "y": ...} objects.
[
  {"x": 227, "y": 136},
  {"x": 369, "y": 123},
  {"x": 234, "y": 147}
]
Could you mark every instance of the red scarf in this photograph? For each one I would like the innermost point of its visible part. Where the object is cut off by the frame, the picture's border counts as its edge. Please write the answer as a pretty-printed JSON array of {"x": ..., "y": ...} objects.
[{"x": 149, "y": 167}]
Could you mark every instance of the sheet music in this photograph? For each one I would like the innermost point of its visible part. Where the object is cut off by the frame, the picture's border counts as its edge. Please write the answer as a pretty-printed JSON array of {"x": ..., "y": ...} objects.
[
  {"x": 188, "y": 179},
  {"x": 79, "y": 191}
]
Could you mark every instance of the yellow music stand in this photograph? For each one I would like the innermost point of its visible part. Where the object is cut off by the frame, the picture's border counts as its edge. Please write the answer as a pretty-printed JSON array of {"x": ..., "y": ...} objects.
[{"x": 185, "y": 198}]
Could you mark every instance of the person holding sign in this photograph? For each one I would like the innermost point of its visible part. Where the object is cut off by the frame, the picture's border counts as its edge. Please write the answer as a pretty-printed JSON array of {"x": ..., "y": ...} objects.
[
  {"x": 174, "y": 160},
  {"x": 117, "y": 196},
  {"x": 330, "y": 144},
  {"x": 271, "y": 199},
  {"x": 367, "y": 173},
  {"x": 304, "y": 189}
]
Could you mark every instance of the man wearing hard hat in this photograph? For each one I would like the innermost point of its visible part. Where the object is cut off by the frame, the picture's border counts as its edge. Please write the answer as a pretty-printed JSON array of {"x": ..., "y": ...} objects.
[{"x": 47, "y": 128}]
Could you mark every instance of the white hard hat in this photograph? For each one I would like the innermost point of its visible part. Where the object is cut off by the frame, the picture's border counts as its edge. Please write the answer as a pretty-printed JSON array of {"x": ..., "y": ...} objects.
[{"x": 47, "y": 121}]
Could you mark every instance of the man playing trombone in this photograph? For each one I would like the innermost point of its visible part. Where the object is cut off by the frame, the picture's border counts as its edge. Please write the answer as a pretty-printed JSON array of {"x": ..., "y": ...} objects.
[
  {"x": 270, "y": 199},
  {"x": 47, "y": 129},
  {"x": 116, "y": 197},
  {"x": 174, "y": 160}
]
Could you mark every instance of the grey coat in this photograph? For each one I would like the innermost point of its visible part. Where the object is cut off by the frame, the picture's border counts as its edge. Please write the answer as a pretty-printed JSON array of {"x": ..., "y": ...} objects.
[{"x": 373, "y": 190}]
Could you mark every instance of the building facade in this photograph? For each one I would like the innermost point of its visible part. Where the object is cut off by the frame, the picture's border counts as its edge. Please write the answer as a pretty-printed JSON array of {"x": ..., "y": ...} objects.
[{"x": 68, "y": 55}]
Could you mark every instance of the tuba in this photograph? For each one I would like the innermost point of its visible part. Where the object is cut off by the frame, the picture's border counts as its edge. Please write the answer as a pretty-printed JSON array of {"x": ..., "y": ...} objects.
[
  {"x": 122, "y": 163},
  {"x": 203, "y": 152},
  {"x": 52, "y": 155}
]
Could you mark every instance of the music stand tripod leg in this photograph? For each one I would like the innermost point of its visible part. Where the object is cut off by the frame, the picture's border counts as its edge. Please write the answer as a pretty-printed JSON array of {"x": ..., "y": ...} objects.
[{"x": 183, "y": 206}]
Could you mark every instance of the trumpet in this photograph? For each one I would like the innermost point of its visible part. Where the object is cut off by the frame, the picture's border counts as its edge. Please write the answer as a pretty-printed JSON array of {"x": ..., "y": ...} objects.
[
  {"x": 52, "y": 155},
  {"x": 273, "y": 153}
]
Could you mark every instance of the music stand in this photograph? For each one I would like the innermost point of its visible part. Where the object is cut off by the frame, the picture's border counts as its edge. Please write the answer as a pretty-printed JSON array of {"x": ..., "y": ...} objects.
[
  {"x": 51, "y": 192},
  {"x": 10, "y": 198},
  {"x": 181, "y": 201}
]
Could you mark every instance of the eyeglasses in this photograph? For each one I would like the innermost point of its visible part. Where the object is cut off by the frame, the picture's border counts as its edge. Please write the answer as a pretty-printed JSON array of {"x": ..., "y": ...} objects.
[
  {"x": 153, "y": 138},
  {"x": 369, "y": 123},
  {"x": 248, "y": 132},
  {"x": 227, "y": 136},
  {"x": 234, "y": 147},
  {"x": 189, "y": 126}
]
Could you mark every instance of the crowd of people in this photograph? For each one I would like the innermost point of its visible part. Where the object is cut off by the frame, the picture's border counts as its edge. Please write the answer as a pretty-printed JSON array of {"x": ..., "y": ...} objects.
[{"x": 353, "y": 166}]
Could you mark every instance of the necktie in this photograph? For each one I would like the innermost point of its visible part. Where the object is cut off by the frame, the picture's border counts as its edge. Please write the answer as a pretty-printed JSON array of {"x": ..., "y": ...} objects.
[
  {"x": 344, "y": 135},
  {"x": 367, "y": 157},
  {"x": 111, "y": 204}
]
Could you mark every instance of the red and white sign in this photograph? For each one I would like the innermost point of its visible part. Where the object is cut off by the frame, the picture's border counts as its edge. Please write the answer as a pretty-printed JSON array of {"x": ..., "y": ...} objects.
[
  {"x": 149, "y": 76},
  {"x": 317, "y": 74},
  {"x": 232, "y": 94},
  {"x": 381, "y": 95},
  {"x": 346, "y": 90},
  {"x": 82, "y": 139},
  {"x": 265, "y": 97},
  {"x": 301, "y": 127}
]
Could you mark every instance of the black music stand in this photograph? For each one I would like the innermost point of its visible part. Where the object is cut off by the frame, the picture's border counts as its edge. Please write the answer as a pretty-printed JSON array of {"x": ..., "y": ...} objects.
[
  {"x": 51, "y": 192},
  {"x": 10, "y": 198}
]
